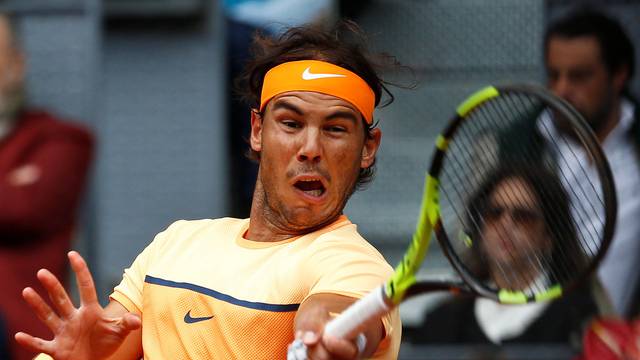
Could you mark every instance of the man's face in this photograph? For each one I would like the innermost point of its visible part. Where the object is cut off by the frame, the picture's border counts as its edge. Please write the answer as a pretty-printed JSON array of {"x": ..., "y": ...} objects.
[
  {"x": 577, "y": 73},
  {"x": 514, "y": 230},
  {"x": 312, "y": 147}
]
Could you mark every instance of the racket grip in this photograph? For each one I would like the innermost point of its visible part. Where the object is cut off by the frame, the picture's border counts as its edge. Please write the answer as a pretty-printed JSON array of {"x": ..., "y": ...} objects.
[{"x": 354, "y": 319}]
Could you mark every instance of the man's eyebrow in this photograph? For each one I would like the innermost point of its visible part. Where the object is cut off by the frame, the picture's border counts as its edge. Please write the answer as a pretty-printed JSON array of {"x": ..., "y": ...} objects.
[
  {"x": 349, "y": 115},
  {"x": 283, "y": 104}
]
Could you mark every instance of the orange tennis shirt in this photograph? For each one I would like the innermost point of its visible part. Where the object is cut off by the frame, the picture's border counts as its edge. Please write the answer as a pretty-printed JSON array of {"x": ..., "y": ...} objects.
[{"x": 205, "y": 292}]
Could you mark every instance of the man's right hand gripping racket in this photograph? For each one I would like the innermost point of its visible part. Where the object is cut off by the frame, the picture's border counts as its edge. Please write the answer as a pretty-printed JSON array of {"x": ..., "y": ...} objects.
[{"x": 522, "y": 202}]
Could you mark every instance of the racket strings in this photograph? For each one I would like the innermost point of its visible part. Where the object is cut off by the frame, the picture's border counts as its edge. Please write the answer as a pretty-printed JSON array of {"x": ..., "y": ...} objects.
[
  {"x": 548, "y": 133},
  {"x": 571, "y": 250},
  {"x": 589, "y": 217},
  {"x": 575, "y": 211},
  {"x": 480, "y": 168},
  {"x": 483, "y": 144},
  {"x": 568, "y": 251},
  {"x": 535, "y": 260}
]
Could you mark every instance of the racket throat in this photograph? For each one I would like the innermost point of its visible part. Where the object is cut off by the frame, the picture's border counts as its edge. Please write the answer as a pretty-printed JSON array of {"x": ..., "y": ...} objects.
[{"x": 454, "y": 286}]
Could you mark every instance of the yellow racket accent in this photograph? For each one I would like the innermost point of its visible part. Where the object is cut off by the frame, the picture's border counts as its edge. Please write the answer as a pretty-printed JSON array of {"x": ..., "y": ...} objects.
[
  {"x": 474, "y": 100},
  {"x": 466, "y": 239},
  {"x": 518, "y": 297},
  {"x": 442, "y": 143},
  {"x": 512, "y": 297},
  {"x": 551, "y": 293},
  {"x": 404, "y": 275}
]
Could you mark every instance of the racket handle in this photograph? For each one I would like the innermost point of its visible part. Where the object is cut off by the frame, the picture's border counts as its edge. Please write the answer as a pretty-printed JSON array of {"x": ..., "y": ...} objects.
[{"x": 353, "y": 320}]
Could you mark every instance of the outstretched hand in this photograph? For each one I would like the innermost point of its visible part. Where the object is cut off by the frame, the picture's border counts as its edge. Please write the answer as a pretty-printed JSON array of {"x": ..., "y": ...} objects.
[{"x": 86, "y": 332}]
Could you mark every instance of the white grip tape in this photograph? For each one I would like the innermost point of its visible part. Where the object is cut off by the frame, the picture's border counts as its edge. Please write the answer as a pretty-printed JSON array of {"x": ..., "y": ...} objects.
[
  {"x": 361, "y": 343},
  {"x": 351, "y": 322}
]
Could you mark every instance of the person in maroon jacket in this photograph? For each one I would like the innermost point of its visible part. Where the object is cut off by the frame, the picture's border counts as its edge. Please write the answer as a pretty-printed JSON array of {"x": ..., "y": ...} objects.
[{"x": 43, "y": 170}]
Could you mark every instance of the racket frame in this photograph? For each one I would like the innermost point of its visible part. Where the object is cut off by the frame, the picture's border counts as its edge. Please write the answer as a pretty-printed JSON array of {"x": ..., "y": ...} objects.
[
  {"x": 586, "y": 137},
  {"x": 404, "y": 284}
]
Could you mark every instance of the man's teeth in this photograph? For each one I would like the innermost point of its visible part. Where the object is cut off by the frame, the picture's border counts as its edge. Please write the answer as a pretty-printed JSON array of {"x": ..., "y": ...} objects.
[{"x": 316, "y": 192}]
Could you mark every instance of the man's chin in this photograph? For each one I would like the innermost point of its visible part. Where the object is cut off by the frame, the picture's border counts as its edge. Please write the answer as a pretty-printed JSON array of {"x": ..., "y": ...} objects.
[{"x": 305, "y": 220}]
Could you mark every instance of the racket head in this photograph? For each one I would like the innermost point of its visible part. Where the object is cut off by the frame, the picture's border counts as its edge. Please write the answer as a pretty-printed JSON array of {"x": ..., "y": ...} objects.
[{"x": 504, "y": 155}]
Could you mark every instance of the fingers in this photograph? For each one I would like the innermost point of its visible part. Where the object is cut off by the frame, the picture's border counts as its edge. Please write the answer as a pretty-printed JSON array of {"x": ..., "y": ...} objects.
[
  {"x": 340, "y": 348},
  {"x": 57, "y": 293},
  {"x": 328, "y": 347},
  {"x": 86, "y": 287},
  {"x": 311, "y": 322},
  {"x": 122, "y": 326},
  {"x": 34, "y": 344},
  {"x": 42, "y": 309},
  {"x": 131, "y": 322}
]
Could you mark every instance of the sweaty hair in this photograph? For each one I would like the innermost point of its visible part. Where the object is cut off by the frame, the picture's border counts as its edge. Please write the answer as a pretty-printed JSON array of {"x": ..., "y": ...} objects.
[
  {"x": 345, "y": 46},
  {"x": 616, "y": 48}
]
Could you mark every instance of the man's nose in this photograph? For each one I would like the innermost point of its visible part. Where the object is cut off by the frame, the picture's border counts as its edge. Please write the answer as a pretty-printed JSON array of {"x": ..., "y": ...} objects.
[
  {"x": 561, "y": 87},
  {"x": 310, "y": 146}
]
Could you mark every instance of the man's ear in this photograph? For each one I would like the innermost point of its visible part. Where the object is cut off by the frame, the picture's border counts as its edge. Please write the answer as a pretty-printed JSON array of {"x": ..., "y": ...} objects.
[
  {"x": 620, "y": 78},
  {"x": 370, "y": 148},
  {"x": 256, "y": 131}
]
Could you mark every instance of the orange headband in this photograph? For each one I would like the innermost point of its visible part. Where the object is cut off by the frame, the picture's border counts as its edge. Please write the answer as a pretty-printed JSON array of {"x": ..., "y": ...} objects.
[{"x": 322, "y": 77}]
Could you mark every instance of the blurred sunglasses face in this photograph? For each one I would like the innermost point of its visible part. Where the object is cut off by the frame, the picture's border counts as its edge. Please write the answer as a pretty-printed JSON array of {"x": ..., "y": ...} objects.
[{"x": 522, "y": 216}]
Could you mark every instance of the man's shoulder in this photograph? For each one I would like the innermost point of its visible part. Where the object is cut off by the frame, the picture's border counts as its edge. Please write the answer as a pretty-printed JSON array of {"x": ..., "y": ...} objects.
[
  {"x": 190, "y": 228},
  {"x": 184, "y": 235},
  {"x": 345, "y": 238},
  {"x": 195, "y": 224},
  {"x": 341, "y": 231}
]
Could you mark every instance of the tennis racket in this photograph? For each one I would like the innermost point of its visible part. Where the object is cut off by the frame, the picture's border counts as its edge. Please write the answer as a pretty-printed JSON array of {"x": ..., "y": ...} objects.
[{"x": 521, "y": 199}]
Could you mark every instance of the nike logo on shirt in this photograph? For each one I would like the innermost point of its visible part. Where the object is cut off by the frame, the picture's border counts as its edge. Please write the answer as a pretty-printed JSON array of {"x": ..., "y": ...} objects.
[
  {"x": 190, "y": 320},
  {"x": 308, "y": 75}
]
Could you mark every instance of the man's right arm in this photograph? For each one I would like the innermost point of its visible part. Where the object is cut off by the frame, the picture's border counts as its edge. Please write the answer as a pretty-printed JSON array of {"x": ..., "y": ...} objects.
[{"x": 131, "y": 347}]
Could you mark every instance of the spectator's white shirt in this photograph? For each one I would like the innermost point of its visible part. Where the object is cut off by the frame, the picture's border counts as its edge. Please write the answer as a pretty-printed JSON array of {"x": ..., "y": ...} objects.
[
  {"x": 503, "y": 322},
  {"x": 620, "y": 269}
]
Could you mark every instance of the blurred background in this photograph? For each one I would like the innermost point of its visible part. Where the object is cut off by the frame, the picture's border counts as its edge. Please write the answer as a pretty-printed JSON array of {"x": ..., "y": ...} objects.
[{"x": 149, "y": 77}]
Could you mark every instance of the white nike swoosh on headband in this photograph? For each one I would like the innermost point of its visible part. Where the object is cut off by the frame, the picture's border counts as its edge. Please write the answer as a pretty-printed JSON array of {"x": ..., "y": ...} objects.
[{"x": 308, "y": 75}]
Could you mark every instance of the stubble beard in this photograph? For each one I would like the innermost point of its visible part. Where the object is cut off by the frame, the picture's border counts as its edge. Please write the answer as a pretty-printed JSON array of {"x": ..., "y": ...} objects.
[
  {"x": 277, "y": 214},
  {"x": 599, "y": 119}
]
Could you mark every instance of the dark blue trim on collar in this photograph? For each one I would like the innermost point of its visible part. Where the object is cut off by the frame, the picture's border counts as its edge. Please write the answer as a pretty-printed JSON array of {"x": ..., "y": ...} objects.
[{"x": 222, "y": 297}]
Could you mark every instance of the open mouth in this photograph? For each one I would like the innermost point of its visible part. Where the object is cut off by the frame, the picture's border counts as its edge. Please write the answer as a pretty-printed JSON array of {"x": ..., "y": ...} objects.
[{"x": 310, "y": 187}]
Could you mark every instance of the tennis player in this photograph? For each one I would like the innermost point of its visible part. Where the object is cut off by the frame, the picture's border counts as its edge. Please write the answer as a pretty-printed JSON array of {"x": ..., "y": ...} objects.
[{"x": 245, "y": 288}]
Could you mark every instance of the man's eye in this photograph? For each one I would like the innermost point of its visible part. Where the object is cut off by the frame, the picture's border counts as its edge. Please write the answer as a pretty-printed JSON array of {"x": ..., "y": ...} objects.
[
  {"x": 336, "y": 129},
  {"x": 290, "y": 123},
  {"x": 580, "y": 76}
]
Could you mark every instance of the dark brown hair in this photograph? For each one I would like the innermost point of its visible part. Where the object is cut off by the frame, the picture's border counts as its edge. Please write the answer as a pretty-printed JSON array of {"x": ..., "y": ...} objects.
[
  {"x": 344, "y": 45},
  {"x": 616, "y": 47}
]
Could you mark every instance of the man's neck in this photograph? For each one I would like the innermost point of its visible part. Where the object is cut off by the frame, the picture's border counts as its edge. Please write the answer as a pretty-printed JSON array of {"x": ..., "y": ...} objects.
[
  {"x": 264, "y": 225},
  {"x": 267, "y": 225},
  {"x": 612, "y": 120}
]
